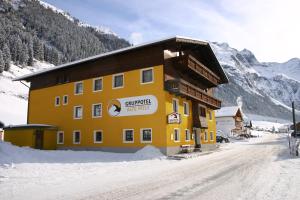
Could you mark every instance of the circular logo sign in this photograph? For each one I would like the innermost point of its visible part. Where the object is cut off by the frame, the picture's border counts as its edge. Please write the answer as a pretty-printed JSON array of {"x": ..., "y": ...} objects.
[{"x": 114, "y": 107}]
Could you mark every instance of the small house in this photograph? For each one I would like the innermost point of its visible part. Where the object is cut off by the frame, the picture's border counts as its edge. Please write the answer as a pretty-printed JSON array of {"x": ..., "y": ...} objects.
[{"x": 229, "y": 121}]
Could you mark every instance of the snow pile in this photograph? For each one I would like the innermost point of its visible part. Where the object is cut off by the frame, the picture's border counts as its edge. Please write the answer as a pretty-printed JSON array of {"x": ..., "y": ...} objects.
[
  {"x": 10, "y": 154},
  {"x": 148, "y": 152},
  {"x": 267, "y": 126}
]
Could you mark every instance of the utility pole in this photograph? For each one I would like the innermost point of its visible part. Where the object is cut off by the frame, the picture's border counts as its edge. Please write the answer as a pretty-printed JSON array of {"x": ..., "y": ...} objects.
[{"x": 294, "y": 118}]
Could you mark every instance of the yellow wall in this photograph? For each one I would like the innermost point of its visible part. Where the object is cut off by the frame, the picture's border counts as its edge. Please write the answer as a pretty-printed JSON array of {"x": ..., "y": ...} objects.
[
  {"x": 20, "y": 137},
  {"x": 42, "y": 109},
  {"x": 211, "y": 127},
  {"x": 186, "y": 121},
  {"x": 42, "y": 101},
  {"x": 26, "y": 137}
]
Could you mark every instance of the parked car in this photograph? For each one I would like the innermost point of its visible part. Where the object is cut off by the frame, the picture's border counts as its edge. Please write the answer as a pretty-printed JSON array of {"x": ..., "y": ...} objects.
[{"x": 221, "y": 139}]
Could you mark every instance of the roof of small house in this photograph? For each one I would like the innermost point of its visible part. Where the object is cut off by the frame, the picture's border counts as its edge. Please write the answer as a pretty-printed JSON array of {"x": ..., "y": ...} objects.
[
  {"x": 163, "y": 42},
  {"x": 227, "y": 111},
  {"x": 30, "y": 126}
]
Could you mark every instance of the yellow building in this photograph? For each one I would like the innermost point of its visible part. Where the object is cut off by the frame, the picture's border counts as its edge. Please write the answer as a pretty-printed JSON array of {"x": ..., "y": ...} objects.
[{"x": 160, "y": 93}]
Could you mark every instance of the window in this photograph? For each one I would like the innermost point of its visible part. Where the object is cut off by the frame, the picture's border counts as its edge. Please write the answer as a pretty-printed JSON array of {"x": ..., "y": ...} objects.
[
  {"x": 211, "y": 136},
  {"x": 60, "y": 137},
  {"x": 202, "y": 111},
  {"x": 98, "y": 136},
  {"x": 175, "y": 105},
  {"x": 57, "y": 101},
  {"x": 128, "y": 135},
  {"x": 205, "y": 136},
  {"x": 65, "y": 99},
  {"x": 118, "y": 81},
  {"x": 176, "y": 135},
  {"x": 78, "y": 112},
  {"x": 97, "y": 84},
  {"x": 147, "y": 76},
  {"x": 187, "y": 135},
  {"x": 146, "y": 135},
  {"x": 78, "y": 88},
  {"x": 76, "y": 137},
  {"x": 186, "y": 110},
  {"x": 210, "y": 115},
  {"x": 97, "y": 110}
]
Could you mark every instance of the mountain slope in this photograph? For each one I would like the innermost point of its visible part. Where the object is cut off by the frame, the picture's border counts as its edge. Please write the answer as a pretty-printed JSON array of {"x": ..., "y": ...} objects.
[
  {"x": 266, "y": 88},
  {"x": 36, "y": 35}
]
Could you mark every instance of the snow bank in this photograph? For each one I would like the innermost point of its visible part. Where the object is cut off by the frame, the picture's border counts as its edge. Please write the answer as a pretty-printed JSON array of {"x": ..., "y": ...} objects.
[
  {"x": 148, "y": 152},
  {"x": 10, "y": 154}
]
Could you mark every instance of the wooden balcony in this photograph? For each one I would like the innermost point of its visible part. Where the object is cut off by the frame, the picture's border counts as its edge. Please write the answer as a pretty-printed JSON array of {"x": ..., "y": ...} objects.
[
  {"x": 183, "y": 88},
  {"x": 191, "y": 64}
]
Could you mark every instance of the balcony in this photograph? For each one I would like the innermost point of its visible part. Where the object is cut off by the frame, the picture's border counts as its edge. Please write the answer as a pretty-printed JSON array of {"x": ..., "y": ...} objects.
[
  {"x": 195, "y": 67},
  {"x": 183, "y": 88}
]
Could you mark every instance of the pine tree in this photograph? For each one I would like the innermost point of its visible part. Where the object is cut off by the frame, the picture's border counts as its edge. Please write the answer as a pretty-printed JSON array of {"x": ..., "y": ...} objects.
[
  {"x": 23, "y": 55},
  {"x": 6, "y": 57},
  {"x": 30, "y": 52},
  {"x": 38, "y": 49},
  {"x": 1, "y": 62}
]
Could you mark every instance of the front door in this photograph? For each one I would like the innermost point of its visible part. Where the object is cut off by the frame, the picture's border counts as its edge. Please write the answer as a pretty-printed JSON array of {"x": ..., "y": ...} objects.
[
  {"x": 197, "y": 134},
  {"x": 39, "y": 138}
]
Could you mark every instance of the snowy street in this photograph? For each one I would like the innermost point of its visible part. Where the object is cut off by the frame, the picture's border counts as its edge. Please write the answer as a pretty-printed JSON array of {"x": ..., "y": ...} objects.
[{"x": 257, "y": 169}]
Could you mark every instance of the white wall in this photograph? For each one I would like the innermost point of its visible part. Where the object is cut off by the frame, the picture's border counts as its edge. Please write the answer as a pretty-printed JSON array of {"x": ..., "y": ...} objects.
[{"x": 225, "y": 124}]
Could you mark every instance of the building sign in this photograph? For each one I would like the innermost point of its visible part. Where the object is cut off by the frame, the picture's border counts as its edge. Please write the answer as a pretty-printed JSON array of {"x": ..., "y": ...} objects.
[
  {"x": 130, "y": 106},
  {"x": 174, "y": 118}
]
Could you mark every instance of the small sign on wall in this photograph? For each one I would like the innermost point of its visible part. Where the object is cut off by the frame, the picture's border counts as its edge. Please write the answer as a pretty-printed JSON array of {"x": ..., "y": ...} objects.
[{"x": 174, "y": 118}]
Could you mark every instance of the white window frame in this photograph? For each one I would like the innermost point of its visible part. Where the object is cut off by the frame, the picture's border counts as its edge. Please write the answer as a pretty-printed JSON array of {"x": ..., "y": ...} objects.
[
  {"x": 75, "y": 84},
  {"x": 205, "y": 136},
  {"x": 57, "y": 137},
  {"x": 211, "y": 135},
  {"x": 178, "y": 131},
  {"x": 98, "y": 142},
  {"x": 74, "y": 112},
  {"x": 141, "y": 135},
  {"x": 74, "y": 136},
  {"x": 93, "y": 110},
  {"x": 187, "y": 108},
  {"x": 113, "y": 81},
  {"x": 141, "y": 75},
  {"x": 177, "y": 102},
  {"x": 187, "y": 131},
  {"x": 99, "y": 78},
  {"x": 55, "y": 101},
  {"x": 124, "y": 135},
  {"x": 63, "y": 100}
]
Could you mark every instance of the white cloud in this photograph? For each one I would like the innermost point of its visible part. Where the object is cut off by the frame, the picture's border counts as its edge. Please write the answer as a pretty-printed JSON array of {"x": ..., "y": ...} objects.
[
  {"x": 269, "y": 28},
  {"x": 136, "y": 38}
]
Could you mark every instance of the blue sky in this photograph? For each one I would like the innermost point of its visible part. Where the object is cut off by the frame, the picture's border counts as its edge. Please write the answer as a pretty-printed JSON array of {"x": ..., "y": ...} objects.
[{"x": 266, "y": 27}]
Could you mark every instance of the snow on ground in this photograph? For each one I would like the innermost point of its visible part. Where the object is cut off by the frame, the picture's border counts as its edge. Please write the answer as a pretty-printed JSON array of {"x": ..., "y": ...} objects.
[
  {"x": 259, "y": 168},
  {"x": 265, "y": 125}
]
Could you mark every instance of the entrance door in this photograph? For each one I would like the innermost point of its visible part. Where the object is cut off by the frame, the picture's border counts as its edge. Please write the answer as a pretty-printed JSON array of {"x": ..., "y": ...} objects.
[
  {"x": 39, "y": 138},
  {"x": 197, "y": 133}
]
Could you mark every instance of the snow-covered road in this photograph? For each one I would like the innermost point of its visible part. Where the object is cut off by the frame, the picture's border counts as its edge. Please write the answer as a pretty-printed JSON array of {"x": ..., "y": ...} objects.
[{"x": 258, "y": 169}]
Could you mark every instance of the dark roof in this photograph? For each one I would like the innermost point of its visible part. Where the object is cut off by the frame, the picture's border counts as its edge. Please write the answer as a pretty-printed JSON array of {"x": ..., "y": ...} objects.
[
  {"x": 1, "y": 124},
  {"x": 165, "y": 42},
  {"x": 30, "y": 126}
]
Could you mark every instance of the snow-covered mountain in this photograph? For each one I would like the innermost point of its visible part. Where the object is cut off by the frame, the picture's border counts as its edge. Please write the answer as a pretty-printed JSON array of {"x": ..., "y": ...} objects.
[{"x": 266, "y": 88}]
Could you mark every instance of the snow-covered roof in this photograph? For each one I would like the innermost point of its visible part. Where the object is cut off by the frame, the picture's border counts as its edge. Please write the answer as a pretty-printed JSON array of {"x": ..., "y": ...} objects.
[
  {"x": 123, "y": 50},
  {"x": 227, "y": 111},
  {"x": 30, "y": 126}
]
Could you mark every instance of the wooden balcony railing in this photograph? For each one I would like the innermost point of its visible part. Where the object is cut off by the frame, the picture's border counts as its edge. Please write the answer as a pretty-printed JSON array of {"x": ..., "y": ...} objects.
[
  {"x": 191, "y": 63},
  {"x": 181, "y": 87}
]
